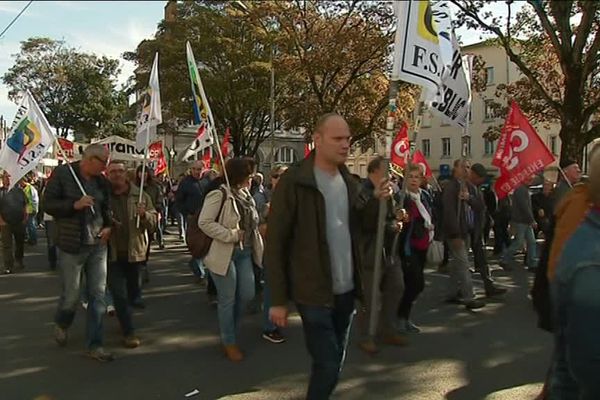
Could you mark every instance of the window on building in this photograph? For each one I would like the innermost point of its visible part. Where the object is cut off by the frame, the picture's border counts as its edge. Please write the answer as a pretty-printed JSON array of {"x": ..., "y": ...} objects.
[
  {"x": 426, "y": 147},
  {"x": 489, "y": 76},
  {"x": 446, "y": 147},
  {"x": 466, "y": 146},
  {"x": 285, "y": 155},
  {"x": 552, "y": 144},
  {"x": 490, "y": 113},
  {"x": 489, "y": 147}
]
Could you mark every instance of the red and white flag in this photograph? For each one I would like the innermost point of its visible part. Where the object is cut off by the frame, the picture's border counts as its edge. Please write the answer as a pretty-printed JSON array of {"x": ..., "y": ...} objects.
[
  {"x": 225, "y": 143},
  {"x": 419, "y": 159},
  {"x": 521, "y": 153},
  {"x": 206, "y": 158},
  {"x": 400, "y": 147},
  {"x": 157, "y": 157}
]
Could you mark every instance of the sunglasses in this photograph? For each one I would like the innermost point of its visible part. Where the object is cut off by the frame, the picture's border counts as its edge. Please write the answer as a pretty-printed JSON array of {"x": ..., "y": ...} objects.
[{"x": 275, "y": 176}]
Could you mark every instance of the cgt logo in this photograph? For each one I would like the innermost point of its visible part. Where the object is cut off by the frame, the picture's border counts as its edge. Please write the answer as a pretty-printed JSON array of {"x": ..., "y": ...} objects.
[
  {"x": 401, "y": 149},
  {"x": 517, "y": 142}
]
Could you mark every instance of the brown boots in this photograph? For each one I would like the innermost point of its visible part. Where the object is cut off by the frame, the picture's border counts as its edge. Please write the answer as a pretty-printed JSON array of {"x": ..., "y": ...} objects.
[{"x": 233, "y": 352}]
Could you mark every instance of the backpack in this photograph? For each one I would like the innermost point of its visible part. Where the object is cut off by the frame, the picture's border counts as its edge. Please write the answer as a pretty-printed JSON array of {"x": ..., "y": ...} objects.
[{"x": 198, "y": 242}]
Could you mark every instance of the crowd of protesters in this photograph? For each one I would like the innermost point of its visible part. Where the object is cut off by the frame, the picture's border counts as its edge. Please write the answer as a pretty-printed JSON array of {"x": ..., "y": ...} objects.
[{"x": 306, "y": 235}]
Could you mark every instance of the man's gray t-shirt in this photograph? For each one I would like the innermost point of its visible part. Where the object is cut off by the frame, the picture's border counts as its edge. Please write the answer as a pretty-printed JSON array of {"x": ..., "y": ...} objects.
[{"x": 333, "y": 189}]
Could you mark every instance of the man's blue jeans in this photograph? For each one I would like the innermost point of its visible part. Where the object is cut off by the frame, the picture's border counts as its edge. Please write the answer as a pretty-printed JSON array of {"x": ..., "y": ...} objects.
[
  {"x": 32, "y": 228},
  {"x": 524, "y": 234},
  {"x": 234, "y": 291},
  {"x": 118, "y": 273},
  {"x": 326, "y": 332},
  {"x": 91, "y": 260}
]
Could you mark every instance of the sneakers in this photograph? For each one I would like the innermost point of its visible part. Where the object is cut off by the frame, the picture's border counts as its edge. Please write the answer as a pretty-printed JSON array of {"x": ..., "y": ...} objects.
[
  {"x": 274, "y": 336},
  {"x": 84, "y": 304},
  {"x": 7, "y": 272},
  {"x": 474, "y": 304},
  {"x": 368, "y": 346},
  {"x": 110, "y": 310},
  {"x": 60, "y": 336},
  {"x": 412, "y": 328},
  {"x": 99, "y": 354},
  {"x": 131, "y": 341},
  {"x": 233, "y": 352},
  {"x": 139, "y": 304}
]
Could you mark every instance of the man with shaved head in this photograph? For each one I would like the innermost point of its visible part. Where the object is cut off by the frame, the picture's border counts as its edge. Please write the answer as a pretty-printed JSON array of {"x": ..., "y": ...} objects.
[
  {"x": 312, "y": 249},
  {"x": 83, "y": 227}
]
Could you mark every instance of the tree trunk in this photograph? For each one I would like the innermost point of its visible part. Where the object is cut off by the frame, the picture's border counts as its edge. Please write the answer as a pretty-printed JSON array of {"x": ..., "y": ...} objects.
[{"x": 572, "y": 122}]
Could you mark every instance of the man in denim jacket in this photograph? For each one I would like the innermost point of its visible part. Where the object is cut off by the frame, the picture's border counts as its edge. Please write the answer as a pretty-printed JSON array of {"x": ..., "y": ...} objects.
[{"x": 576, "y": 295}]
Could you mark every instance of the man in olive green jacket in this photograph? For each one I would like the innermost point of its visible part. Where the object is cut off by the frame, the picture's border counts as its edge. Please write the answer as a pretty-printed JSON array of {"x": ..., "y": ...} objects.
[
  {"x": 312, "y": 249},
  {"x": 128, "y": 244}
]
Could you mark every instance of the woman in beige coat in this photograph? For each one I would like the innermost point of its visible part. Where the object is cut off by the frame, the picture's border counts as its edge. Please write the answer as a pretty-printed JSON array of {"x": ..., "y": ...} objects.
[{"x": 232, "y": 223}]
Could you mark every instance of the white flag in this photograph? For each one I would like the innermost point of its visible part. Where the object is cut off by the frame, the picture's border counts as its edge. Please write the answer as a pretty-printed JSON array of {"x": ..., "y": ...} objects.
[
  {"x": 417, "y": 57},
  {"x": 452, "y": 101},
  {"x": 151, "y": 115},
  {"x": 203, "y": 140},
  {"x": 27, "y": 142}
]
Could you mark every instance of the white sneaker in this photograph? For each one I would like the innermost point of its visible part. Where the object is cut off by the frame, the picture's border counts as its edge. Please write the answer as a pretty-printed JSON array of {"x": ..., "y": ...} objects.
[
  {"x": 84, "y": 304},
  {"x": 110, "y": 310}
]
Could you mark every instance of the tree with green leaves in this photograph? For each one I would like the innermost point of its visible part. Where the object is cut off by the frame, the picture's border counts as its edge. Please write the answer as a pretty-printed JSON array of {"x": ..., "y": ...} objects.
[
  {"x": 336, "y": 57},
  {"x": 327, "y": 56},
  {"x": 77, "y": 91},
  {"x": 556, "y": 46},
  {"x": 233, "y": 66}
]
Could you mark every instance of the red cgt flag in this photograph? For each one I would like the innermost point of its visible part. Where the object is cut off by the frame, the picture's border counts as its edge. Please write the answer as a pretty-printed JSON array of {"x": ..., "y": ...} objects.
[
  {"x": 206, "y": 158},
  {"x": 520, "y": 154},
  {"x": 308, "y": 147},
  {"x": 419, "y": 159},
  {"x": 400, "y": 147},
  {"x": 157, "y": 157}
]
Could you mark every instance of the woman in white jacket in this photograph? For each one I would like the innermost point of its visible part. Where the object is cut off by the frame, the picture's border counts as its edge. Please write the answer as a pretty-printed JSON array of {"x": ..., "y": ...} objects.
[{"x": 232, "y": 223}]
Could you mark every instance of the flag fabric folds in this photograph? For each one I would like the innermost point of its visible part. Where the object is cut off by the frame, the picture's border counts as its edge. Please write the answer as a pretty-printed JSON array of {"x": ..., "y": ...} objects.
[
  {"x": 419, "y": 159},
  {"x": 151, "y": 115},
  {"x": 520, "y": 153},
  {"x": 27, "y": 142},
  {"x": 157, "y": 158},
  {"x": 427, "y": 53},
  {"x": 400, "y": 147},
  {"x": 204, "y": 137}
]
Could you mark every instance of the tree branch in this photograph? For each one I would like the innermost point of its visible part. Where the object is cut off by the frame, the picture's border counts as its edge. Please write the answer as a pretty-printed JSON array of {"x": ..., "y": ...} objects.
[
  {"x": 547, "y": 24},
  {"x": 512, "y": 55},
  {"x": 583, "y": 31}
]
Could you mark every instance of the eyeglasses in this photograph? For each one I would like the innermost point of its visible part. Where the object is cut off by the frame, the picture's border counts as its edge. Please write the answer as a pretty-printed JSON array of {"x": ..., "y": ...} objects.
[{"x": 275, "y": 176}]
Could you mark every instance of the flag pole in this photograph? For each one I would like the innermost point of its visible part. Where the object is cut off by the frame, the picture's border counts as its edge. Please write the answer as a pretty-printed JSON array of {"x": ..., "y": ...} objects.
[
  {"x": 62, "y": 153},
  {"x": 143, "y": 177},
  {"x": 75, "y": 177},
  {"x": 383, "y": 209},
  {"x": 562, "y": 172}
]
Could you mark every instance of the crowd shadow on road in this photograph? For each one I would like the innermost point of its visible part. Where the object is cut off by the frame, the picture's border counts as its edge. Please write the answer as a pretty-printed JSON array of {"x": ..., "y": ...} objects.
[{"x": 459, "y": 354}]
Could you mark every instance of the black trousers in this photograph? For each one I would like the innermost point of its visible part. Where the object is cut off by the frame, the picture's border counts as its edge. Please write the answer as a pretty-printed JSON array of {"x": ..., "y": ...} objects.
[
  {"x": 501, "y": 235},
  {"x": 8, "y": 233},
  {"x": 414, "y": 280},
  {"x": 480, "y": 260}
]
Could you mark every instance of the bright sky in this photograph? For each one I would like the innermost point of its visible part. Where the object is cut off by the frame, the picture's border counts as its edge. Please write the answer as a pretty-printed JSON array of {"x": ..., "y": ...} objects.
[{"x": 104, "y": 27}]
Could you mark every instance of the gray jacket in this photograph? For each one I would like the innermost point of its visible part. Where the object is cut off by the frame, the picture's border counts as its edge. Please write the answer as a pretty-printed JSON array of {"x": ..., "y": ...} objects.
[
  {"x": 455, "y": 223},
  {"x": 522, "y": 211}
]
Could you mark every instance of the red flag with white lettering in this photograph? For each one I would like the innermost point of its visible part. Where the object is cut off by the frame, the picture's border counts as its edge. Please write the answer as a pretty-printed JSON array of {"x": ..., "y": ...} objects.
[
  {"x": 206, "y": 158},
  {"x": 68, "y": 149},
  {"x": 419, "y": 159},
  {"x": 400, "y": 147},
  {"x": 520, "y": 153}
]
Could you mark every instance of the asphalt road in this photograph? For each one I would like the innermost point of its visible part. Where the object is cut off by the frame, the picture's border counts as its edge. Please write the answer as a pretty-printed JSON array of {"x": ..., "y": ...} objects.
[{"x": 495, "y": 353}]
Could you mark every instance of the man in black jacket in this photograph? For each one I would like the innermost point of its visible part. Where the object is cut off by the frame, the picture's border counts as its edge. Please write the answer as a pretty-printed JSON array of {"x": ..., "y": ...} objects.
[
  {"x": 83, "y": 228},
  {"x": 460, "y": 206},
  {"x": 13, "y": 217}
]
